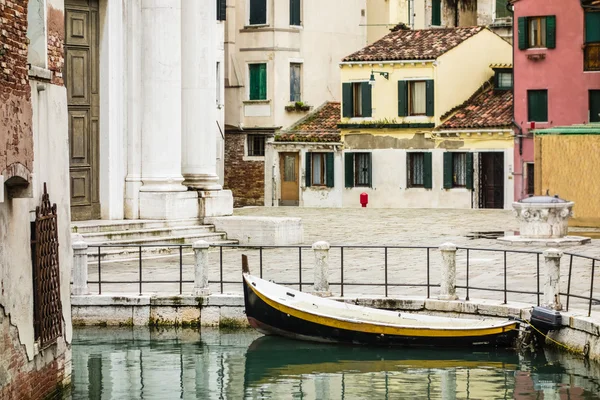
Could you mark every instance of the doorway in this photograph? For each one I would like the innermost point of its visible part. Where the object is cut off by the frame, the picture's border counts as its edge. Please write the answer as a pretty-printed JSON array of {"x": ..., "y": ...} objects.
[
  {"x": 491, "y": 180},
  {"x": 82, "y": 83},
  {"x": 289, "y": 164}
]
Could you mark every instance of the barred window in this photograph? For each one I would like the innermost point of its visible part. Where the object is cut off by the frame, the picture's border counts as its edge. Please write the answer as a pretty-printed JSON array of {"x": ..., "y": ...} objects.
[
  {"x": 256, "y": 145},
  {"x": 362, "y": 164}
]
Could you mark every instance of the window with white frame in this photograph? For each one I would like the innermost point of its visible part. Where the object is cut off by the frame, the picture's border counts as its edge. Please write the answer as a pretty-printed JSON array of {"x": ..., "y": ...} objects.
[{"x": 258, "y": 12}]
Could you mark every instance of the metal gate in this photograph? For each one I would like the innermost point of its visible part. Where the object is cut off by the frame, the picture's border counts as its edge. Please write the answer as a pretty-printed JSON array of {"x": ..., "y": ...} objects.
[{"x": 46, "y": 274}]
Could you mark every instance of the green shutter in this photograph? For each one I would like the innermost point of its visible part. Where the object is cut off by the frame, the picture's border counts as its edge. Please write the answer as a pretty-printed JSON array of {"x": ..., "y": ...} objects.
[
  {"x": 367, "y": 107},
  {"x": 592, "y": 26},
  {"x": 537, "y": 105},
  {"x": 501, "y": 10},
  {"x": 221, "y": 10},
  {"x": 430, "y": 100},
  {"x": 594, "y": 105},
  {"x": 349, "y": 169},
  {"x": 329, "y": 169},
  {"x": 258, "y": 81},
  {"x": 427, "y": 181},
  {"x": 258, "y": 12},
  {"x": 347, "y": 100},
  {"x": 295, "y": 12},
  {"x": 262, "y": 81},
  {"x": 551, "y": 31},
  {"x": 469, "y": 171},
  {"x": 448, "y": 170},
  {"x": 436, "y": 12},
  {"x": 402, "y": 98},
  {"x": 370, "y": 167},
  {"x": 522, "y": 33},
  {"x": 308, "y": 169}
]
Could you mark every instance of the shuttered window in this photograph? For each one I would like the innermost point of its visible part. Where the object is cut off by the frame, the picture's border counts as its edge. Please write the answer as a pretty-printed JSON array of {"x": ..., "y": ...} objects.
[
  {"x": 592, "y": 41},
  {"x": 356, "y": 100},
  {"x": 418, "y": 170},
  {"x": 537, "y": 32},
  {"x": 458, "y": 170},
  {"x": 358, "y": 170},
  {"x": 594, "y": 105},
  {"x": 416, "y": 98},
  {"x": 258, "y": 12},
  {"x": 537, "y": 105},
  {"x": 295, "y": 10},
  {"x": 319, "y": 169},
  {"x": 258, "y": 81},
  {"x": 501, "y": 10},
  {"x": 221, "y": 10},
  {"x": 436, "y": 12}
]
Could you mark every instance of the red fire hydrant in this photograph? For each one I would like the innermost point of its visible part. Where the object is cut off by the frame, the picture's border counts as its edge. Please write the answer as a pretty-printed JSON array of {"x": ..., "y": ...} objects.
[{"x": 364, "y": 199}]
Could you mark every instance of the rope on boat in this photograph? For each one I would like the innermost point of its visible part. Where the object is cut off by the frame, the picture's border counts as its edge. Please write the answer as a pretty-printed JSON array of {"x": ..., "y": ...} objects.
[{"x": 571, "y": 349}]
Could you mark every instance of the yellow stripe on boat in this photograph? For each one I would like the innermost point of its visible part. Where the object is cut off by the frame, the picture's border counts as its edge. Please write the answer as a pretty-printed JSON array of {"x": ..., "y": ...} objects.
[{"x": 366, "y": 327}]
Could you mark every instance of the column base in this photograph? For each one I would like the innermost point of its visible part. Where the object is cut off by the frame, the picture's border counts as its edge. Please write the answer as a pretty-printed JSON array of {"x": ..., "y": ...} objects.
[
  {"x": 202, "y": 181},
  {"x": 168, "y": 205},
  {"x": 215, "y": 203}
]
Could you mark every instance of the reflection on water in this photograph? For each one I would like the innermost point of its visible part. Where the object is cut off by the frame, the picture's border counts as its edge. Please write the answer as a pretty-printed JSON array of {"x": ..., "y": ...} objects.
[{"x": 137, "y": 363}]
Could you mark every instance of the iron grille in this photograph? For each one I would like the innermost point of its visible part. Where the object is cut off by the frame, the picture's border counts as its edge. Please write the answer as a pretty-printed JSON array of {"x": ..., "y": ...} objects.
[{"x": 46, "y": 277}]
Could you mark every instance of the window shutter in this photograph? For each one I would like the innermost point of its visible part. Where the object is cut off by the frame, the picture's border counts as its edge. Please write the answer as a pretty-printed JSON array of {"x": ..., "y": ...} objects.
[
  {"x": 367, "y": 107},
  {"x": 551, "y": 31},
  {"x": 349, "y": 169},
  {"x": 254, "y": 81},
  {"x": 329, "y": 169},
  {"x": 469, "y": 171},
  {"x": 370, "y": 167},
  {"x": 522, "y": 33},
  {"x": 592, "y": 27},
  {"x": 295, "y": 12},
  {"x": 537, "y": 104},
  {"x": 347, "y": 100},
  {"x": 221, "y": 10},
  {"x": 262, "y": 81},
  {"x": 448, "y": 170},
  {"x": 308, "y": 169},
  {"x": 430, "y": 109},
  {"x": 402, "y": 98},
  {"x": 427, "y": 181},
  {"x": 258, "y": 12},
  {"x": 436, "y": 12}
]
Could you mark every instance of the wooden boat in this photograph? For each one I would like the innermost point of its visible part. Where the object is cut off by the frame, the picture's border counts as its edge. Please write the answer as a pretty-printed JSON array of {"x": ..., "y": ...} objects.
[{"x": 276, "y": 310}]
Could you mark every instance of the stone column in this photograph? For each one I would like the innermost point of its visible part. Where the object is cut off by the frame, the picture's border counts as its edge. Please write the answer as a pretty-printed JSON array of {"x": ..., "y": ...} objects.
[
  {"x": 448, "y": 284},
  {"x": 552, "y": 283},
  {"x": 321, "y": 285},
  {"x": 162, "y": 195},
  {"x": 80, "y": 268},
  {"x": 201, "y": 287}
]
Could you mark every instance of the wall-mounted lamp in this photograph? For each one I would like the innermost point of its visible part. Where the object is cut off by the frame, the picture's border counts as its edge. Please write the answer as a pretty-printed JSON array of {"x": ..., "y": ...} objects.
[{"x": 386, "y": 75}]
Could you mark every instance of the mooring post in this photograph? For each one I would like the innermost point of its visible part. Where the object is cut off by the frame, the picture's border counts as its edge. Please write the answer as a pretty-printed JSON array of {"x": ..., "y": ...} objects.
[
  {"x": 321, "y": 286},
  {"x": 201, "y": 287},
  {"x": 552, "y": 282},
  {"x": 80, "y": 267},
  {"x": 448, "y": 284}
]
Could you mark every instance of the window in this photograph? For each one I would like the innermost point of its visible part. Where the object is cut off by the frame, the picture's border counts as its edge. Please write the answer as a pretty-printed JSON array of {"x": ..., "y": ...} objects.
[
  {"x": 356, "y": 99},
  {"x": 458, "y": 170},
  {"x": 295, "y": 9},
  {"x": 358, "y": 169},
  {"x": 436, "y": 12},
  {"x": 415, "y": 98},
  {"x": 258, "y": 81},
  {"x": 418, "y": 170},
  {"x": 537, "y": 105},
  {"x": 295, "y": 82},
  {"x": 537, "y": 32},
  {"x": 319, "y": 169},
  {"x": 221, "y": 10},
  {"x": 594, "y": 105},
  {"x": 503, "y": 79},
  {"x": 258, "y": 12},
  {"x": 530, "y": 178},
  {"x": 592, "y": 41},
  {"x": 256, "y": 145},
  {"x": 501, "y": 10}
]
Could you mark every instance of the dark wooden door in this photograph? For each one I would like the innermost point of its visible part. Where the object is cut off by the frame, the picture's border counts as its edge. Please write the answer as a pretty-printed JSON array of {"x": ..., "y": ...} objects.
[
  {"x": 81, "y": 80},
  {"x": 491, "y": 180}
]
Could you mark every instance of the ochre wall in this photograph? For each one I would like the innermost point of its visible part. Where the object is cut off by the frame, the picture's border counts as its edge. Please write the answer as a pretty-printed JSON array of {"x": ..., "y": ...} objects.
[{"x": 569, "y": 168}]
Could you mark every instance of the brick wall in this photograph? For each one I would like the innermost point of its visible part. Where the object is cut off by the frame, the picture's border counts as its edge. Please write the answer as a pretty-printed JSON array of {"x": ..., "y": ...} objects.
[
  {"x": 56, "y": 38},
  {"x": 23, "y": 379},
  {"x": 245, "y": 179},
  {"x": 16, "y": 137}
]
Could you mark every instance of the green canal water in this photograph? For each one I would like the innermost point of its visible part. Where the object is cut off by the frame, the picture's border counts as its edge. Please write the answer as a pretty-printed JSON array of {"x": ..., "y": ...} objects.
[{"x": 139, "y": 363}]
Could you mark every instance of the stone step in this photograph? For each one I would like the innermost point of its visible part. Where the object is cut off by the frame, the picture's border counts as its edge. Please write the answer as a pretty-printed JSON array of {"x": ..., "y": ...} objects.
[
  {"x": 130, "y": 235},
  {"x": 85, "y": 227}
]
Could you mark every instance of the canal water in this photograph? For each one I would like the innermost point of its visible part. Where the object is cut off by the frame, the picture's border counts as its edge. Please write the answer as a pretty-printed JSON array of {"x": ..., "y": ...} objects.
[{"x": 139, "y": 363}]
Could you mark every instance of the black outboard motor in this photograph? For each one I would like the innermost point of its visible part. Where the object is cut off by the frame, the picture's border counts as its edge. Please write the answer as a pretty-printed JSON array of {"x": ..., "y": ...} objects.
[{"x": 545, "y": 319}]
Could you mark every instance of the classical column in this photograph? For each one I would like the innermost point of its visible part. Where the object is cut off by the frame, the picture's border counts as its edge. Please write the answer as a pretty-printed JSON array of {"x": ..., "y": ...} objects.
[
  {"x": 199, "y": 94},
  {"x": 162, "y": 195}
]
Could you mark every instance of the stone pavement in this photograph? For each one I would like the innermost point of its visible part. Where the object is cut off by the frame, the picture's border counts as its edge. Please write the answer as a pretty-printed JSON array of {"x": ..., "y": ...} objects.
[{"x": 377, "y": 227}]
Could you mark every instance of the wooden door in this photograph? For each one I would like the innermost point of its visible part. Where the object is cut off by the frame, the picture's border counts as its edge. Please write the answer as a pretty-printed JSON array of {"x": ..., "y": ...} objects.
[
  {"x": 289, "y": 164},
  {"x": 491, "y": 180},
  {"x": 81, "y": 80}
]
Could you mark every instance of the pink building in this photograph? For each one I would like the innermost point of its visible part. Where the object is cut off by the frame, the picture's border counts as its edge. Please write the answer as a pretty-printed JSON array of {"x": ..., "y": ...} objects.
[{"x": 556, "y": 72}]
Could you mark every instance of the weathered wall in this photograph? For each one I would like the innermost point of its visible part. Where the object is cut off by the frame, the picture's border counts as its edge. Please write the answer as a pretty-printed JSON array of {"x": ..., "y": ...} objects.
[
  {"x": 565, "y": 172},
  {"x": 243, "y": 176}
]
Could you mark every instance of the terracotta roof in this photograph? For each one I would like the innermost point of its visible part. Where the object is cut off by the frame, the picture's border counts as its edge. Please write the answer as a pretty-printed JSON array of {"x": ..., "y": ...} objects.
[
  {"x": 487, "y": 108},
  {"x": 426, "y": 44},
  {"x": 318, "y": 126}
]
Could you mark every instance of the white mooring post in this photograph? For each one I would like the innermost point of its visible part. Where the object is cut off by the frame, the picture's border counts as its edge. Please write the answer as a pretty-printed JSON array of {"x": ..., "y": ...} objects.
[
  {"x": 552, "y": 283},
  {"x": 321, "y": 286},
  {"x": 80, "y": 268},
  {"x": 201, "y": 287},
  {"x": 448, "y": 284}
]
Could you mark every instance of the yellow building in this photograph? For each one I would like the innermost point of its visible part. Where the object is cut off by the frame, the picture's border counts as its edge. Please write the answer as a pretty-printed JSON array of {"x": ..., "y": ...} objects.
[
  {"x": 562, "y": 169},
  {"x": 395, "y": 93}
]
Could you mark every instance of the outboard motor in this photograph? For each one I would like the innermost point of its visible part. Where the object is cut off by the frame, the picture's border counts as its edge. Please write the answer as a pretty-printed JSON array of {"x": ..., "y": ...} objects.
[{"x": 545, "y": 319}]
